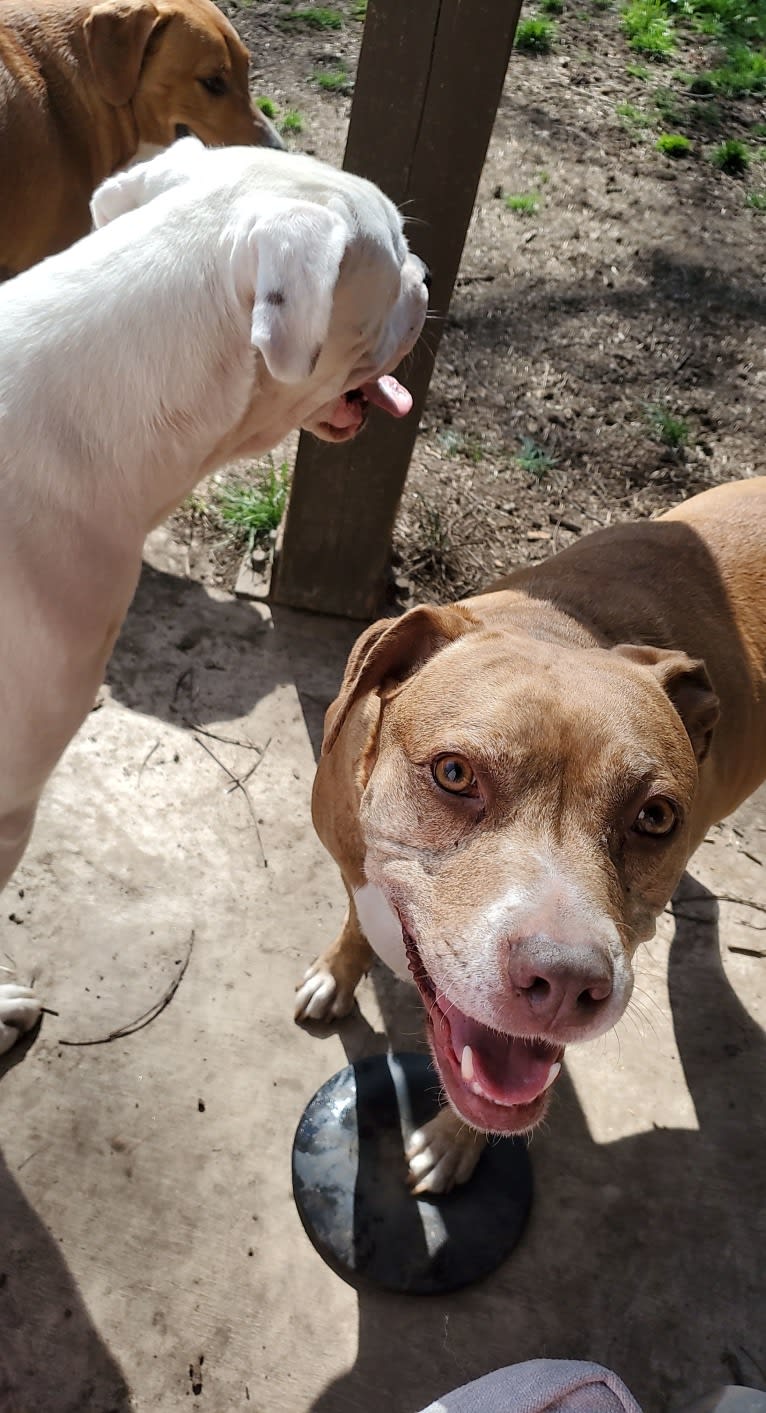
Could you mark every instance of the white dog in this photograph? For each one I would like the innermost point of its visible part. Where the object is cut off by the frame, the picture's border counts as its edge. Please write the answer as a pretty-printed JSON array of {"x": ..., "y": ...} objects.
[{"x": 241, "y": 293}]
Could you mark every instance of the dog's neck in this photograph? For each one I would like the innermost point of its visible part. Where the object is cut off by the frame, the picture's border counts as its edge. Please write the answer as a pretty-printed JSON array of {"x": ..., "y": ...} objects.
[
  {"x": 132, "y": 418},
  {"x": 113, "y": 137}
]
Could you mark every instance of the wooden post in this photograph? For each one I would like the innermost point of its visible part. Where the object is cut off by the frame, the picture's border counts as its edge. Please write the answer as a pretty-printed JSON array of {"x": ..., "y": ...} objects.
[{"x": 428, "y": 85}]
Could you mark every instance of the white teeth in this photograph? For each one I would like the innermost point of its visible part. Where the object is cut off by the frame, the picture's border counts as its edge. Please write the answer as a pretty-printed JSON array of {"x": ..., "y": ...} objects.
[
  {"x": 555, "y": 1070},
  {"x": 470, "y": 1081}
]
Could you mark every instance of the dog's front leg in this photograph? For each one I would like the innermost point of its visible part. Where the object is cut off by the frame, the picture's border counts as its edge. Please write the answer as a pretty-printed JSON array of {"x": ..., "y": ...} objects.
[
  {"x": 19, "y": 1005},
  {"x": 443, "y": 1153},
  {"x": 327, "y": 989}
]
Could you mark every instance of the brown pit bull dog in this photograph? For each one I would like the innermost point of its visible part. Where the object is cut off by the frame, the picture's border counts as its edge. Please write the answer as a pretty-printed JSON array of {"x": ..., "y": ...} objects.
[
  {"x": 512, "y": 787},
  {"x": 84, "y": 86}
]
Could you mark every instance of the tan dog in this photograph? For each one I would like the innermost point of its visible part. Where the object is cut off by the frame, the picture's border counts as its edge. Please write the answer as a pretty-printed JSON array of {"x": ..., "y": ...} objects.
[
  {"x": 83, "y": 87},
  {"x": 512, "y": 788}
]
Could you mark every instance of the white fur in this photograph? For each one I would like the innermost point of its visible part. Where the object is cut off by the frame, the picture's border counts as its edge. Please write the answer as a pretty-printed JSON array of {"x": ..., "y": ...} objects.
[
  {"x": 382, "y": 928},
  {"x": 139, "y": 360},
  {"x": 545, "y": 899}
]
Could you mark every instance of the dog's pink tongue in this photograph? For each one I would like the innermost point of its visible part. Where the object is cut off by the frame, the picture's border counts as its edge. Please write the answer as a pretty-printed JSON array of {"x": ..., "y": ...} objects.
[
  {"x": 507, "y": 1068},
  {"x": 389, "y": 395}
]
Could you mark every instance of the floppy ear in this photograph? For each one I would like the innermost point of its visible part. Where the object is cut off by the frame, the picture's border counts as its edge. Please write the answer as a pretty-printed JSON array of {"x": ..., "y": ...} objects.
[
  {"x": 686, "y": 681},
  {"x": 116, "y": 33},
  {"x": 128, "y": 190},
  {"x": 296, "y": 251},
  {"x": 389, "y": 652}
]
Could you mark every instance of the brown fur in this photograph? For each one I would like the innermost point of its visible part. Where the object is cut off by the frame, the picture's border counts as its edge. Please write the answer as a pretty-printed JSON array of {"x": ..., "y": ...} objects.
[
  {"x": 631, "y": 664},
  {"x": 82, "y": 86}
]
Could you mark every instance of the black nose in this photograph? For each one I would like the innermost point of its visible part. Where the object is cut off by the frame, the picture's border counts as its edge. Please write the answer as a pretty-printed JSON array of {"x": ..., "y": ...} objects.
[{"x": 427, "y": 281}]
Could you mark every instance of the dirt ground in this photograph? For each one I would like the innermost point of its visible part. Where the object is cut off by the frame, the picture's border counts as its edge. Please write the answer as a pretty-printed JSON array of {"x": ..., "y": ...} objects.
[
  {"x": 637, "y": 283},
  {"x": 152, "y": 1257}
]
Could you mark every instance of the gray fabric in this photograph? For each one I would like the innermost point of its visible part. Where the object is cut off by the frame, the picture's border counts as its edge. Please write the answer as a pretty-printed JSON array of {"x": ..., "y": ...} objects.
[{"x": 541, "y": 1386}]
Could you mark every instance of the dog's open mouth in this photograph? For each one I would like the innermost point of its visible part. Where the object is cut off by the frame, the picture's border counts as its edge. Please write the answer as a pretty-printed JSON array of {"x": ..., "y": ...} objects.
[
  {"x": 498, "y": 1082},
  {"x": 349, "y": 412}
]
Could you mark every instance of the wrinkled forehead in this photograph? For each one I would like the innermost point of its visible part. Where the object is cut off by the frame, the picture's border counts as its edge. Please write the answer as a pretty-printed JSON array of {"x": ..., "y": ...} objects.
[
  {"x": 367, "y": 210},
  {"x": 493, "y": 699}
]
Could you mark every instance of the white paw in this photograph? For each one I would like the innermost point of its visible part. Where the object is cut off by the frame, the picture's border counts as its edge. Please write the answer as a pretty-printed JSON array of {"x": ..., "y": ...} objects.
[
  {"x": 20, "y": 1009},
  {"x": 440, "y": 1158},
  {"x": 319, "y": 997}
]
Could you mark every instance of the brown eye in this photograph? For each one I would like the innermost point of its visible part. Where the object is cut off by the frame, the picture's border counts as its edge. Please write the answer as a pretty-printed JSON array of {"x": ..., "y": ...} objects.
[
  {"x": 658, "y": 817},
  {"x": 453, "y": 773}
]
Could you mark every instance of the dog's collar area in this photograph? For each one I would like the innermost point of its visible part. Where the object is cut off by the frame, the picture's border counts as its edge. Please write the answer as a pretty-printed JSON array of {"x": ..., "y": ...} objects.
[{"x": 497, "y": 1081}]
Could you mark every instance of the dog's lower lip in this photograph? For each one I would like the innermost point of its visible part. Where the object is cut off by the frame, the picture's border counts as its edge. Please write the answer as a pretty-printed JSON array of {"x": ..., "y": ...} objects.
[
  {"x": 183, "y": 131},
  {"x": 463, "y": 1084}
]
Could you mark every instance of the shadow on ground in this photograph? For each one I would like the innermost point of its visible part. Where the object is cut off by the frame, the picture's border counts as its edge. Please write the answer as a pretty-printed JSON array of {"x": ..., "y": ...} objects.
[
  {"x": 644, "y": 1254},
  {"x": 187, "y": 657},
  {"x": 45, "y": 1325}
]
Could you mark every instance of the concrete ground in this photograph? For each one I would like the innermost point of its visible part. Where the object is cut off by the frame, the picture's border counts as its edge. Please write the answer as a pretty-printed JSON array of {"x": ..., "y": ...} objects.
[{"x": 151, "y": 1255}]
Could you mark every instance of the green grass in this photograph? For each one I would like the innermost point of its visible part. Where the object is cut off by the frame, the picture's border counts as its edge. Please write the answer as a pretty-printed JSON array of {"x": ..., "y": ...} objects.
[
  {"x": 673, "y": 144},
  {"x": 648, "y": 27},
  {"x": 743, "y": 72},
  {"x": 552, "y": 7},
  {"x": 727, "y": 20},
  {"x": 456, "y": 444},
  {"x": 292, "y": 121},
  {"x": 252, "y": 510},
  {"x": 707, "y": 114},
  {"x": 756, "y": 200},
  {"x": 758, "y": 130},
  {"x": 317, "y": 18},
  {"x": 638, "y": 71},
  {"x": 359, "y": 10},
  {"x": 523, "y": 204},
  {"x": 435, "y": 541},
  {"x": 337, "y": 81},
  {"x": 731, "y": 157},
  {"x": 737, "y": 28},
  {"x": 632, "y": 116},
  {"x": 666, "y": 103},
  {"x": 672, "y": 431},
  {"x": 267, "y": 107},
  {"x": 535, "y": 36},
  {"x": 534, "y": 459}
]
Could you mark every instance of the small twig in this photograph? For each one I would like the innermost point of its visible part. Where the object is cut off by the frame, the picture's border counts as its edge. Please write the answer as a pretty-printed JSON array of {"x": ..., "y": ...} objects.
[
  {"x": 676, "y": 912},
  {"x": 683, "y": 362},
  {"x": 237, "y": 784},
  {"x": 227, "y": 740},
  {"x": 148, "y": 1016},
  {"x": 145, "y": 761},
  {"x": 30, "y": 1156},
  {"x": 732, "y": 898},
  {"x": 243, "y": 779},
  {"x": 464, "y": 280},
  {"x": 746, "y": 951},
  {"x": 188, "y": 673},
  {"x": 753, "y": 1360}
]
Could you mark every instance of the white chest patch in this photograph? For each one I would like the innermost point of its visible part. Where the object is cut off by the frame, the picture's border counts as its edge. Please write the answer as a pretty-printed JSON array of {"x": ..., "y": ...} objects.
[{"x": 382, "y": 929}]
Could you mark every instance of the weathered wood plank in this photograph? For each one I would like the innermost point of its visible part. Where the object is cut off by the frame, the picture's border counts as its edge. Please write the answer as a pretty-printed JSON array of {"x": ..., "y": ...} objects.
[{"x": 429, "y": 81}]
